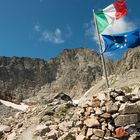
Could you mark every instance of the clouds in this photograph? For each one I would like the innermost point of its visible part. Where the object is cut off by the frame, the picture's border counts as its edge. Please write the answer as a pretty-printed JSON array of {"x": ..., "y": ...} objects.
[
  {"x": 55, "y": 36},
  {"x": 37, "y": 28},
  {"x": 119, "y": 26}
]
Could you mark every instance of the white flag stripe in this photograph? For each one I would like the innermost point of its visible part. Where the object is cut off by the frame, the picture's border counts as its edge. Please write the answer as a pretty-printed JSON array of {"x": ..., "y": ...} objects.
[{"x": 110, "y": 13}]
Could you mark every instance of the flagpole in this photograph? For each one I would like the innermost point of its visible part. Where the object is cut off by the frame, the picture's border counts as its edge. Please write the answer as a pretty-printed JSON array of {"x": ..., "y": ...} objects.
[{"x": 101, "y": 52}]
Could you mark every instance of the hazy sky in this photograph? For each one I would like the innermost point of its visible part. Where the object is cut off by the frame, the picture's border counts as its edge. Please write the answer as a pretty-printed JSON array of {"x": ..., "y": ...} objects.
[{"x": 43, "y": 28}]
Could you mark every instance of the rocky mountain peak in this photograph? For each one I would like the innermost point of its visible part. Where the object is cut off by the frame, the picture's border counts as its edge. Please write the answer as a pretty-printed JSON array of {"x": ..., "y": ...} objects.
[
  {"x": 130, "y": 61},
  {"x": 73, "y": 72}
]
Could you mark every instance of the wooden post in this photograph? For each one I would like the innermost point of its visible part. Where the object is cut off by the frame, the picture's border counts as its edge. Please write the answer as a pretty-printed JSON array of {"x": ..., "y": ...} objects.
[{"x": 101, "y": 51}]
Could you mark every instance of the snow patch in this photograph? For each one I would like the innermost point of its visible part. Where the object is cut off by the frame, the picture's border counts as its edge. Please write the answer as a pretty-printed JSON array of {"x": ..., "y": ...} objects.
[{"x": 21, "y": 107}]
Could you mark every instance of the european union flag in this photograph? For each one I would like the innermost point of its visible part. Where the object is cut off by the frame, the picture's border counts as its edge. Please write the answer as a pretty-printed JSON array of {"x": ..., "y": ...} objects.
[{"x": 121, "y": 41}]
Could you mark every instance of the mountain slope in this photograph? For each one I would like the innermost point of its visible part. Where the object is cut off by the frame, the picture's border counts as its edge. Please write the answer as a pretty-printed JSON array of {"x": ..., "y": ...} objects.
[{"x": 73, "y": 72}]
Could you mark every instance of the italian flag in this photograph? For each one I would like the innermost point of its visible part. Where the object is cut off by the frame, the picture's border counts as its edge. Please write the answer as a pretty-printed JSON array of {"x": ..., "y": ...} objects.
[{"x": 111, "y": 13}]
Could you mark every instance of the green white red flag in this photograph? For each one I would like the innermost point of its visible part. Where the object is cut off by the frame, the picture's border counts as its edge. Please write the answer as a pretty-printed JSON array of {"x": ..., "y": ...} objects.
[{"x": 109, "y": 14}]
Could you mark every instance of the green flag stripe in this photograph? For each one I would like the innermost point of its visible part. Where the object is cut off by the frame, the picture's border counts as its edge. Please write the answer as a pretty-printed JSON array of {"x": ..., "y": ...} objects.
[{"x": 102, "y": 21}]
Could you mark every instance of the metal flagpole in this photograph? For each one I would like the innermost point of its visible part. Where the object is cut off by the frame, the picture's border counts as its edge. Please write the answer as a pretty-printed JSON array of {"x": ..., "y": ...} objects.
[{"x": 101, "y": 52}]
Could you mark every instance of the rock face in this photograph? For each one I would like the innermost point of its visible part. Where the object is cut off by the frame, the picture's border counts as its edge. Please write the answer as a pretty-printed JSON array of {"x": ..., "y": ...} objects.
[
  {"x": 20, "y": 78},
  {"x": 73, "y": 72},
  {"x": 130, "y": 61}
]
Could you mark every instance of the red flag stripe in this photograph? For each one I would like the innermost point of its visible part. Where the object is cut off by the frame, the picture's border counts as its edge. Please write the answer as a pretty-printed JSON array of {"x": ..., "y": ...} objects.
[{"x": 121, "y": 9}]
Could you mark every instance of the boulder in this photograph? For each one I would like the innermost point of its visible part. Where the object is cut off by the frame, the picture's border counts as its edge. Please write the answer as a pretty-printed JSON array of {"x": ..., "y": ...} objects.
[
  {"x": 123, "y": 120},
  {"x": 128, "y": 108},
  {"x": 111, "y": 107}
]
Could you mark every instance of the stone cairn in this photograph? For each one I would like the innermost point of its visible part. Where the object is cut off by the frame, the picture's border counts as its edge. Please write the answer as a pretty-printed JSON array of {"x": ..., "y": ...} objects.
[{"x": 116, "y": 117}]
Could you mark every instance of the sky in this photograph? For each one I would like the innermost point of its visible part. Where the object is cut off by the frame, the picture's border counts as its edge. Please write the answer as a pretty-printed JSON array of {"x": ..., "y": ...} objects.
[{"x": 43, "y": 28}]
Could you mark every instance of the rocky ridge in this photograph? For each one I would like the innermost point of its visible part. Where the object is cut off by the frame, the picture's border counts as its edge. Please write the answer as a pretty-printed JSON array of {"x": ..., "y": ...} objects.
[
  {"x": 102, "y": 117},
  {"x": 74, "y": 71}
]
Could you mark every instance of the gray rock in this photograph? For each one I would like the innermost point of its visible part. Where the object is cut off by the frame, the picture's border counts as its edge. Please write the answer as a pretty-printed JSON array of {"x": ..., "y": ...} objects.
[
  {"x": 128, "y": 108},
  {"x": 123, "y": 120},
  {"x": 111, "y": 107}
]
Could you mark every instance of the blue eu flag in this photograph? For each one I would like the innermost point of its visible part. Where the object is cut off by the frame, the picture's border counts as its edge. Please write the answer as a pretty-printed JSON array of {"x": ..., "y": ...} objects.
[{"x": 121, "y": 41}]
